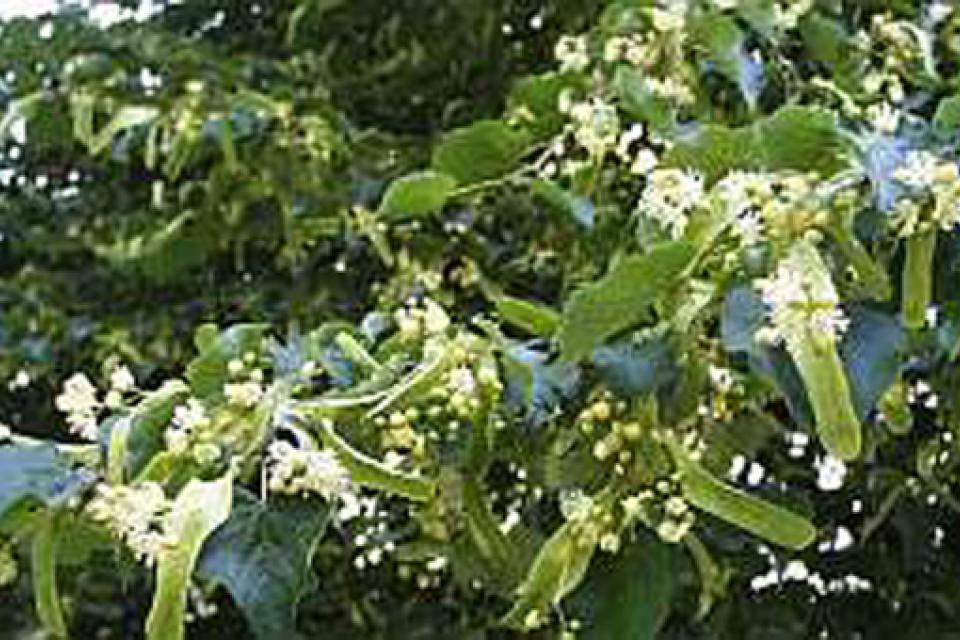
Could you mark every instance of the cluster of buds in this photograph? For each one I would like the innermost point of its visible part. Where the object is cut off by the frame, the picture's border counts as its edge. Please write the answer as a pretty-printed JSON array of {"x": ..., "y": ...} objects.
[
  {"x": 635, "y": 49},
  {"x": 245, "y": 389},
  {"x": 604, "y": 421},
  {"x": 137, "y": 515},
  {"x": 429, "y": 575},
  {"x": 397, "y": 431},
  {"x": 374, "y": 543},
  {"x": 418, "y": 320},
  {"x": 189, "y": 419},
  {"x": 662, "y": 508},
  {"x": 201, "y": 606},
  {"x": 295, "y": 471},
  {"x": 595, "y": 523}
]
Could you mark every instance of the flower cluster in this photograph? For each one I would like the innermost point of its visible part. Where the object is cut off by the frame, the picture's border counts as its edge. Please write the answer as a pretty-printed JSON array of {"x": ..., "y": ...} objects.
[
  {"x": 669, "y": 198},
  {"x": 925, "y": 172},
  {"x": 80, "y": 402},
  {"x": 801, "y": 297},
  {"x": 595, "y": 126},
  {"x": 137, "y": 515}
]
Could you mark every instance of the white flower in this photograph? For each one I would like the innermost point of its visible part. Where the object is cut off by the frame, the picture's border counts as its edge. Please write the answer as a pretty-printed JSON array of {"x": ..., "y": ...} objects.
[
  {"x": 576, "y": 506},
  {"x": 645, "y": 162},
  {"x": 138, "y": 515},
  {"x": 742, "y": 194},
  {"x": 78, "y": 395},
  {"x": 917, "y": 169},
  {"x": 571, "y": 53},
  {"x": 884, "y": 117},
  {"x": 461, "y": 380},
  {"x": 78, "y": 401},
  {"x": 671, "y": 17},
  {"x": 245, "y": 395},
  {"x": 435, "y": 319},
  {"x": 631, "y": 135},
  {"x": 122, "y": 380},
  {"x": 597, "y": 125},
  {"x": 670, "y": 89},
  {"x": 721, "y": 378},
  {"x": 831, "y": 472},
  {"x": 801, "y": 297},
  {"x": 924, "y": 170},
  {"x": 669, "y": 197}
]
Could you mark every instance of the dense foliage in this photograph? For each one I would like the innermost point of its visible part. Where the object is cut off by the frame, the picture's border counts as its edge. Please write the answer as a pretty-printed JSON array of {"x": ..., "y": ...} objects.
[{"x": 481, "y": 318}]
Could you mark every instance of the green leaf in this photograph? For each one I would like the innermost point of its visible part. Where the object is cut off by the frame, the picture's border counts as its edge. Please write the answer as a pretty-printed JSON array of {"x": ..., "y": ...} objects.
[
  {"x": 43, "y": 566},
  {"x": 801, "y": 139},
  {"x": 262, "y": 556},
  {"x": 558, "y": 569},
  {"x": 761, "y": 518},
  {"x": 199, "y": 509},
  {"x": 639, "y": 102},
  {"x": 146, "y": 426},
  {"x": 723, "y": 41},
  {"x": 628, "y": 595},
  {"x": 794, "y": 137},
  {"x": 207, "y": 373},
  {"x": 622, "y": 298},
  {"x": 533, "y": 101},
  {"x": 369, "y": 472},
  {"x": 533, "y": 317},
  {"x": 575, "y": 208},
  {"x": 501, "y": 558},
  {"x": 947, "y": 118},
  {"x": 418, "y": 194},
  {"x": 484, "y": 150}
]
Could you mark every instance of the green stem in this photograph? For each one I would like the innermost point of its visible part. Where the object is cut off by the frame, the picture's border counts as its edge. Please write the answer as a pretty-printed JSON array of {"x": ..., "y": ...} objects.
[
  {"x": 44, "y": 568},
  {"x": 917, "y": 289}
]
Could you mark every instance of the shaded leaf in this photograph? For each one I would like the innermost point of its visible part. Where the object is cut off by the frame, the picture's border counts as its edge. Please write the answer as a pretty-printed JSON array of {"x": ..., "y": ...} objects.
[
  {"x": 261, "y": 555},
  {"x": 533, "y": 317},
  {"x": 628, "y": 595},
  {"x": 484, "y": 150}
]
